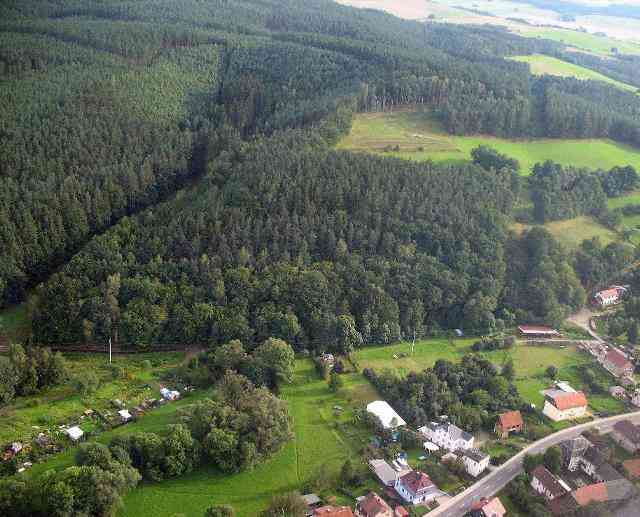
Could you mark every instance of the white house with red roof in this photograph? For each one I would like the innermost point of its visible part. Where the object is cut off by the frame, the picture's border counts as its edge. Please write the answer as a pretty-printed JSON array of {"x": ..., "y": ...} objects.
[
  {"x": 417, "y": 488},
  {"x": 610, "y": 296},
  {"x": 488, "y": 508},
  {"x": 561, "y": 405}
]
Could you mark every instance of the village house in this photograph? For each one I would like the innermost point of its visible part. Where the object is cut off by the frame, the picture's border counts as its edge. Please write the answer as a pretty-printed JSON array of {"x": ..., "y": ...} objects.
[
  {"x": 385, "y": 473},
  {"x": 475, "y": 461},
  {"x": 333, "y": 511},
  {"x": 616, "y": 363},
  {"x": 488, "y": 508},
  {"x": 617, "y": 392},
  {"x": 447, "y": 435},
  {"x": 635, "y": 398},
  {"x": 372, "y": 505},
  {"x": 580, "y": 454},
  {"x": 387, "y": 416},
  {"x": 561, "y": 405},
  {"x": 603, "y": 492},
  {"x": 627, "y": 435},
  {"x": 547, "y": 485},
  {"x": 537, "y": 331},
  {"x": 312, "y": 501},
  {"x": 417, "y": 488},
  {"x": 609, "y": 297},
  {"x": 510, "y": 422}
]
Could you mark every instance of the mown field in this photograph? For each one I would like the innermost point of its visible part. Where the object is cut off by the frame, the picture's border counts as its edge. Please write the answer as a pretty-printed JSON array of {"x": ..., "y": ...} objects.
[
  {"x": 571, "y": 232},
  {"x": 547, "y": 65},
  {"x": 138, "y": 379},
  {"x": 602, "y": 45},
  {"x": 415, "y": 135},
  {"x": 530, "y": 363}
]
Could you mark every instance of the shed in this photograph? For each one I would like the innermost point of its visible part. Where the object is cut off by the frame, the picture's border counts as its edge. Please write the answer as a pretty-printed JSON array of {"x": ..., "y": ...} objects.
[
  {"x": 75, "y": 433},
  {"x": 125, "y": 416}
]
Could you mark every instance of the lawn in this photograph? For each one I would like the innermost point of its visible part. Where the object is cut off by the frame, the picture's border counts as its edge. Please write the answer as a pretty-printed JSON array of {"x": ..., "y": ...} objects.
[
  {"x": 571, "y": 232},
  {"x": 420, "y": 137},
  {"x": 62, "y": 404},
  {"x": 530, "y": 362},
  {"x": 322, "y": 438},
  {"x": 546, "y": 65}
]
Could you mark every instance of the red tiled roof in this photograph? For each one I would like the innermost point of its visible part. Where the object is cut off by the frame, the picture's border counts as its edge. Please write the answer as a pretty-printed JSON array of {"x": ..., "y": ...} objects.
[
  {"x": 494, "y": 508},
  {"x": 608, "y": 293},
  {"x": 373, "y": 505},
  {"x": 564, "y": 401},
  {"x": 510, "y": 419},
  {"x": 591, "y": 493},
  {"x": 416, "y": 481},
  {"x": 333, "y": 511},
  {"x": 401, "y": 511},
  {"x": 632, "y": 467},
  {"x": 628, "y": 430},
  {"x": 617, "y": 359}
]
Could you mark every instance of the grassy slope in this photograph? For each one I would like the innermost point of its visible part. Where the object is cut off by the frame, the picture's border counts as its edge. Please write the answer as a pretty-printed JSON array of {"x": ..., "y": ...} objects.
[
  {"x": 571, "y": 232},
  {"x": 411, "y": 130},
  {"x": 582, "y": 40},
  {"x": 530, "y": 363},
  {"x": 318, "y": 441},
  {"x": 14, "y": 322},
  {"x": 62, "y": 404},
  {"x": 546, "y": 65}
]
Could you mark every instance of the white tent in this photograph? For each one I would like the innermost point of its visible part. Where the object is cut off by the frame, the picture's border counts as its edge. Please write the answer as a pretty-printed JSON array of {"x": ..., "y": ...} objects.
[
  {"x": 75, "y": 433},
  {"x": 386, "y": 414},
  {"x": 431, "y": 447},
  {"x": 125, "y": 415}
]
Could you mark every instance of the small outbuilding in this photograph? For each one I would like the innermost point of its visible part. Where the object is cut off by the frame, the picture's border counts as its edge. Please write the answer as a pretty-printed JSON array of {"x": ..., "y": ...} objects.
[
  {"x": 75, "y": 433},
  {"x": 125, "y": 416}
]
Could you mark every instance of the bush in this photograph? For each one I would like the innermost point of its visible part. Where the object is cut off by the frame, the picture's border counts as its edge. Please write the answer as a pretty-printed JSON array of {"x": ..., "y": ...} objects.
[{"x": 86, "y": 382}]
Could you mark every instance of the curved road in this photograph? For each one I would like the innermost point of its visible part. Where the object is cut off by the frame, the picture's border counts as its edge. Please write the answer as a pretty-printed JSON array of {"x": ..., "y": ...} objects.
[{"x": 502, "y": 475}]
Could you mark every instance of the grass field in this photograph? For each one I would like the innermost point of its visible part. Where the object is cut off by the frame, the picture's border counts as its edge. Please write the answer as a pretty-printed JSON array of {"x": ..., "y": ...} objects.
[
  {"x": 571, "y": 232},
  {"x": 14, "y": 322},
  {"x": 546, "y": 65},
  {"x": 321, "y": 439},
  {"x": 582, "y": 40},
  {"x": 420, "y": 138},
  {"x": 530, "y": 363},
  {"x": 62, "y": 403}
]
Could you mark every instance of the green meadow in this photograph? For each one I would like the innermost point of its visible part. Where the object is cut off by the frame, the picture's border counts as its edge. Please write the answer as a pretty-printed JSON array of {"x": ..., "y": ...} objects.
[
  {"x": 530, "y": 362},
  {"x": 582, "y": 40},
  {"x": 416, "y": 135},
  {"x": 14, "y": 322},
  {"x": 547, "y": 65},
  {"x": 571, "y": 232}
]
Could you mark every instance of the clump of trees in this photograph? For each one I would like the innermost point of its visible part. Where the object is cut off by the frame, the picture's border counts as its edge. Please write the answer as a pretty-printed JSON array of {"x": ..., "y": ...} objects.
[
  {"x": 494, "y": 343},
  {"x": 470, "y": 393},
  {"x": 26, "y": 371}
]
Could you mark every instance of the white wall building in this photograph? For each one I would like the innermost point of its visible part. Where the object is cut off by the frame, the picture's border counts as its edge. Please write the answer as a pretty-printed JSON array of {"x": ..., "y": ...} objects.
[
  {"x": 475, "y": 461},
  {"x": 447, "y": 436},
  {"x": 560, "y": 405}
]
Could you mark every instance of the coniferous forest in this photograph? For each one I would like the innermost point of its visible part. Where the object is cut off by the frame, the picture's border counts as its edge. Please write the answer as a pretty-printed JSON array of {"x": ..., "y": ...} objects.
[{"x": 168, "y": 174}]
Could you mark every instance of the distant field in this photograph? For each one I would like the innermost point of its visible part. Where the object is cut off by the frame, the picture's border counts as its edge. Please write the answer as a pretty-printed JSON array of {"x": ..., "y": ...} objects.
[
  {"x": 419, "y": 137},
  {"x": 14, "y": 322},
  {"x": 546, "y": 65},
  {"x": 530, "y": 363},
  {"x": 571, "y": 232},
  {"x": 582, "y": 40}
]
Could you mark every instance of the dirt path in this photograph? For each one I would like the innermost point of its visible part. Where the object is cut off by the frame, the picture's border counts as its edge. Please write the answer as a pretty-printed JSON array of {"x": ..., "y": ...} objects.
[{"x": 582, "y": 319}]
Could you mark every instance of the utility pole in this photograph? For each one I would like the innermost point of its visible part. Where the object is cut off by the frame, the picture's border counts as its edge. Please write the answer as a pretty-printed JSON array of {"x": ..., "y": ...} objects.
[
  {"x": 109, "y": 350},
  {"x": 413, "y": 343}
]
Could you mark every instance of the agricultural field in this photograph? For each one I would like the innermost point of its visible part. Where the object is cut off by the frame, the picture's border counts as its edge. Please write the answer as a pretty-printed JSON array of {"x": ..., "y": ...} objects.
[
  {"x": 571, "y": 232},
  {"x": 530, "y": 362},
  {"x": 583, "y": 41},
  {"x": 416, "y": 135},
  {"x": 130, "y": 379},
  {"x": 14, "y": 323},
  {"x": 323, "y": 440},
  {"x": 547, "y": 65}
]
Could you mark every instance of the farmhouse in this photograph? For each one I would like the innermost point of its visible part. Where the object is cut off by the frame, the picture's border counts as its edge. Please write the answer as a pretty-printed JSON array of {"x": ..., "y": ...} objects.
[
  {"x": 616, "y": 363},
  {"x": 627, "y": 435},
  {"x": 488, "y": 508},
  {"x": 547, "y": 485},
  {"x": 447, "y": 435},
  {"x": 617, "y": 392},
  {"x": 474, "y": 460},
  {"x": 532, "y": 331},
  {"x": 604, "y": 492},
  {"x": 386, "y": 414},
  {"x": 510, "y": 422},
  {"x": 417, "y": 488},
  {"x": 579, "y": 453},
  {"x": 560, "y": 405},
  {"x": 372, "y": 505}
]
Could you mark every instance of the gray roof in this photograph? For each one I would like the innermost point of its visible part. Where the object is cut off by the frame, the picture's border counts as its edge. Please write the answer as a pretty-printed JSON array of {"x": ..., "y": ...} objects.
[
  {"x": 574, "y": 447},
  {"x": 594, "y": 456},
  {"x": 474, "y": 454},
  {"x": 607, "y": 473},
  {"x": 383, "y": 471},
  {"x": 452, "y": 430},
  {"x": 311, "y": 499},
  {"x": 620, "y": 489}
]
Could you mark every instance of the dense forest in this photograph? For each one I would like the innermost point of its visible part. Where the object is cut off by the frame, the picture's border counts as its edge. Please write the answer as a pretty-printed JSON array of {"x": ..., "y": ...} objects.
[{"x": 176, "y": 157}]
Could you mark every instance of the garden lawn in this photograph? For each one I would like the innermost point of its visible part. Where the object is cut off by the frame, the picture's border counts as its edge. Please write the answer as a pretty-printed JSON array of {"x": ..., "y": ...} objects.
[
  {"x": 63, "y": 404},
  {"x": 546, "y": 65},
  {"x": 420, "y": 137},
  {"x": 322, "y": 438}
]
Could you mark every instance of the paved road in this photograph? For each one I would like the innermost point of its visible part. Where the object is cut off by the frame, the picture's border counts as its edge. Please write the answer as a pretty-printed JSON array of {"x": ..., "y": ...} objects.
[{"x": 501, "y": 476}]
